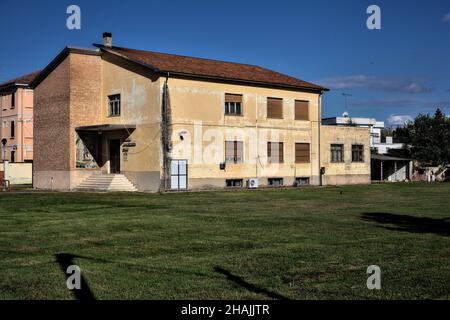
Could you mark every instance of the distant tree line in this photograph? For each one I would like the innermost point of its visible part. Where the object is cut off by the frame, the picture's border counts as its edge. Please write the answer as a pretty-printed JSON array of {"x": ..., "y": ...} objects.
[{"x": 427, "y": 138}]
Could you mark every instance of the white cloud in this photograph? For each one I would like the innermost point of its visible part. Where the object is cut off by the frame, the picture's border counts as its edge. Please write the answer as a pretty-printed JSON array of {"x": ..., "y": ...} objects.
[
  {"x": 398, "y": 120},
  {"x": 446, "y": 17},
  {"x": 367, "y": 82}
]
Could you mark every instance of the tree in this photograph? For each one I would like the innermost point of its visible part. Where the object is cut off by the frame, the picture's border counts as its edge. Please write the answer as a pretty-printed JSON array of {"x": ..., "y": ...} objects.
[{"x": 428, "y": 138}]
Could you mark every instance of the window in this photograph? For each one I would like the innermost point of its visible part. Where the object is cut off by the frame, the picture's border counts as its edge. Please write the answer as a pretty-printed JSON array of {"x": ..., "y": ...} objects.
[
  {"x": 234, "y": 183},
  {"x": 13, "y": 156},
  {"x": 302, "y": 153},
  {"x": 275, "y": 182},
  {"x": 301, "y": 181},
  {"x": 275, "y": 152},
  {"x": 13, "y": 100},
  {"x": 13, "y": 129},
  {"x": 275, "y": 108},
  {"x": 114, "y": 105},
  {"x": 337, "y": 153},
  {"x": 233, "y": 104},
  {"x": 301, "y": 110},
  {"x": 234, "y": 151},
  {"x": 357, "y": 153}
]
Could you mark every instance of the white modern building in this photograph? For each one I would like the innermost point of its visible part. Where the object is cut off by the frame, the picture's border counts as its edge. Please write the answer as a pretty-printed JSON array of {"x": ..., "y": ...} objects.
[{"x": 374, "y": 125}]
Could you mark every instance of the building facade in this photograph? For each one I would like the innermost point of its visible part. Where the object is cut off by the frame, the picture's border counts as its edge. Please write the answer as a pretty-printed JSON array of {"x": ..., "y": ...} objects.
[
  {"x": 384, "y": 165},
  {"x": 170, "y": 122},
  {"x": 16, "y": 119}
]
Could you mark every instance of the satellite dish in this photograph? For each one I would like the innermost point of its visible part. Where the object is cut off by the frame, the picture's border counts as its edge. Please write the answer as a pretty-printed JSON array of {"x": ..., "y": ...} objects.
[{"x": 345, "y": 114}]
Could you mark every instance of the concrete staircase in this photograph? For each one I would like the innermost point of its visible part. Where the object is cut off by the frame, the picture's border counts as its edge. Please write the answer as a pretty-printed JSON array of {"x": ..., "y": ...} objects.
[{"x": 106, "y": 183}]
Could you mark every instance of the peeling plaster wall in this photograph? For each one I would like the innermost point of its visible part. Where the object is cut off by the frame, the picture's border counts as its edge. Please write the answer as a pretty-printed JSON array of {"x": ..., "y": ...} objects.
[
  {"x": 197, "y": 102},
  {"x": 347, "y": 172},
  {"x": 140, "y": 106}
]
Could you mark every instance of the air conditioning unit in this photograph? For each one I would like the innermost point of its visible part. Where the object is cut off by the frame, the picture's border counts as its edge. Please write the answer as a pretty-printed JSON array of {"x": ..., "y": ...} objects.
[{"x": 253, "y": 183}]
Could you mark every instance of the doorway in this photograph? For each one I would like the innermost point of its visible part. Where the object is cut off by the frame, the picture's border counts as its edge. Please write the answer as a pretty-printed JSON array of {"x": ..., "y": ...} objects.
[
  {"x": 178, "y": 174},
  {"x": 114, "y": 156}
]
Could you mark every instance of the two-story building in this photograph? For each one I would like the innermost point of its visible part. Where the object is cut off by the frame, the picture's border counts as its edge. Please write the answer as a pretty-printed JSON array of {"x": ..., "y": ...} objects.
[
  {"x": 170, "y": 122},
  {"x": 16, "y": 119}
]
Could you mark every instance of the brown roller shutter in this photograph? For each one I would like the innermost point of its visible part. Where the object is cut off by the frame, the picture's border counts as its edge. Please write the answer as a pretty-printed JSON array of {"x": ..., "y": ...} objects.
[
  {"x": 229, "y": 97},
  {"x": 277, "y": 156},
  {"x": 301, "y": 110},
  {"x": 302, "y": 153},
  {"x": 275, "y": 108}
]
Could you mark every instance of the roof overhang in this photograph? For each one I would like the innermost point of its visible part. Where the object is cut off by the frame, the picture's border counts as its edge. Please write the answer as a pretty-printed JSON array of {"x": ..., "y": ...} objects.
[
  {"x": 383, "y": 157},
  {"x": 106, "y": 127}
]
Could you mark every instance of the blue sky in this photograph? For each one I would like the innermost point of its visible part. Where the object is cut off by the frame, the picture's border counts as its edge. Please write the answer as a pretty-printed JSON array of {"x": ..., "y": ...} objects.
[{"x": 392, "y": 74}]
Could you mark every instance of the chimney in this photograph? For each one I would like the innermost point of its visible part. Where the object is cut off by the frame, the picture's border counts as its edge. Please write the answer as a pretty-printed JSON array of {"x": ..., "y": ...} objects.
[{"x": 107, "y": 39}]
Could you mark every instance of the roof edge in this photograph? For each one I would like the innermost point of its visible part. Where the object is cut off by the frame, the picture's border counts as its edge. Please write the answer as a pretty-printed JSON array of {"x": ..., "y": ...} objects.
[
  {"x": 57, "y": 61},
  {"x": 320, "y": 89}
]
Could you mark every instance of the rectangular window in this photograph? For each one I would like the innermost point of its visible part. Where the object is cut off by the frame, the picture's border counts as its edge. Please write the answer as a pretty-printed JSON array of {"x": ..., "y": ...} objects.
[
  {"x": 275, "y": 152},
  {"x": 337, "y": 153},
  {"x": 13, "y": 129},
  {"x": 301, "y": 110},
  {"x": 357, "y": 153},
  {"x": 234, "y": 183},
  {"x": 275, "y": 182},
  {"x": 13, "y": 156},
  {"x": 301, "y": 181},
  {"x": 233, "y": 104},
  {"x": 302, "y": 153},
  {"x": 13, "y": 99},
  {"x": 234, "y": 151},
  {"x": 275, "y": 108},
  {"x": 114, "y": 105}
]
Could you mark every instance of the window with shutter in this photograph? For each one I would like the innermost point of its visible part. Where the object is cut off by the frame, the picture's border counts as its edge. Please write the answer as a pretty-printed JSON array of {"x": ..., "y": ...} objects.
[
  {"x": 301, "y": 110},
  {"x": 234, "y": 151},
  {"x": 233, "y": 104},
  {"x": 275, "y": 152},
  {"x": 302, "y": 154},
  {"x": 275, "y": 108}
]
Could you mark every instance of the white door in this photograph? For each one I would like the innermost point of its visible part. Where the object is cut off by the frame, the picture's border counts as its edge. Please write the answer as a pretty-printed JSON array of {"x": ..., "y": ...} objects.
[{"x": 178, "y": 174}]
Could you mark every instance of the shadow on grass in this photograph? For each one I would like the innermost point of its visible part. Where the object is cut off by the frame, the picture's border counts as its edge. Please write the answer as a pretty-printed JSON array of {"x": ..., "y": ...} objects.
[
  {"x": 409, "y": 223},
  {"x": 241, "y": 282},
  {"x": 65, "y": 260}
]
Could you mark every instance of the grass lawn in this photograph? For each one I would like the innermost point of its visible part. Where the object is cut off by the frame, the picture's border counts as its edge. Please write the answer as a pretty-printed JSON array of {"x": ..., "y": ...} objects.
[{"x": 312, "y": 243}]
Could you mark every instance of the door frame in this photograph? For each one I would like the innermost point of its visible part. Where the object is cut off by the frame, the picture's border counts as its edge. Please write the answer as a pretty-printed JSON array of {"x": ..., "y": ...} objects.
[
  {"x": 119, "y": 159},
  {"x": 178, "y": 175}
]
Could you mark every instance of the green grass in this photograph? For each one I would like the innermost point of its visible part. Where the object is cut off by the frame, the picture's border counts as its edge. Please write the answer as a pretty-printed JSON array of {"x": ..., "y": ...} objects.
[{"x": 312, "y": 243}]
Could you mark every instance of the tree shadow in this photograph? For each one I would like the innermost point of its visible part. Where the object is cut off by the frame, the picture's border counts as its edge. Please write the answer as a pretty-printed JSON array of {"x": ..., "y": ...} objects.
[
  {"x": 409, "y": 223},
  {"x": 65, "y": 260},
  {"x": 241, "y": 282}
]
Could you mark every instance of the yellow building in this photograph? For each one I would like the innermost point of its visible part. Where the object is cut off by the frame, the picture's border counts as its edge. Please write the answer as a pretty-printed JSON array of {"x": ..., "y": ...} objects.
[{"x": 111, "y": 116}]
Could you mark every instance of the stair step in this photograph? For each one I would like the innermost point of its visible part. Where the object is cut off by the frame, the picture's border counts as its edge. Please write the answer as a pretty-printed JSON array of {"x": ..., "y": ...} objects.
[{"x": 106, "y": 182}]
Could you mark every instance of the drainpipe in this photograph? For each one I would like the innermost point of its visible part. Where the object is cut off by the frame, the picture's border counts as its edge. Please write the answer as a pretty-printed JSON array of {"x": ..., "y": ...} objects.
[
  {"x": 165, "y": 132},
  {"x": 319, "y": 151},
  {"x": 257, "y": 139}
]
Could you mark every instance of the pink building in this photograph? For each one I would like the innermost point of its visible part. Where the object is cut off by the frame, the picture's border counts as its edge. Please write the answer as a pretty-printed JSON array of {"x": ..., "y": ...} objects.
[{"x": 16, "y": 119}]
